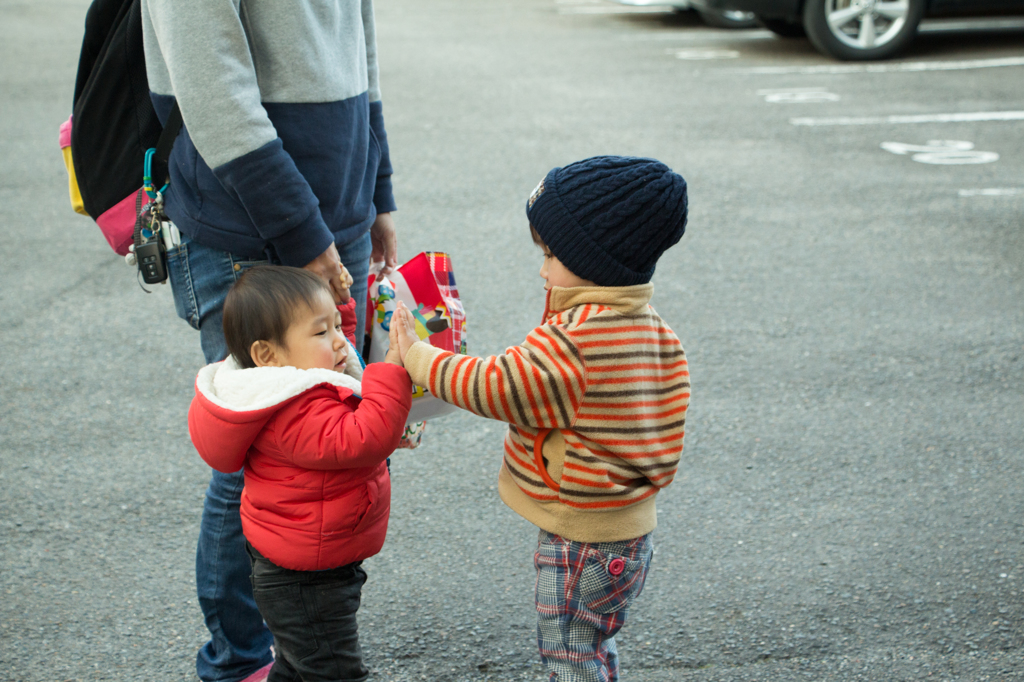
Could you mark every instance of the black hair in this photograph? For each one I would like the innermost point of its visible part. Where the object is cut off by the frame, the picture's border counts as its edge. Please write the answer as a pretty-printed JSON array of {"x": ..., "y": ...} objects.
[
  {"x": 536, "y": 237},
  {"x": 262, "y": 305}
]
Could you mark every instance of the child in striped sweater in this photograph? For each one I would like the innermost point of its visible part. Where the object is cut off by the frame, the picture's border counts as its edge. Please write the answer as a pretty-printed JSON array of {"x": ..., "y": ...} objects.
[{"x": 595, "y": 399}]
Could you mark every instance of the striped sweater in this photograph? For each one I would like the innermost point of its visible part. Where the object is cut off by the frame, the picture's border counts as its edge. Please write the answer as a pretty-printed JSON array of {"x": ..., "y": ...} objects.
[{"x": 596, "y": 401}]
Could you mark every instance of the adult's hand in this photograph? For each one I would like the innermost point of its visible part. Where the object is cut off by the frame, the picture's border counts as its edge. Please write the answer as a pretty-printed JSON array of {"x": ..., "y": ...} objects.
[
  {"x": 385, "y": 242},
  {"x": 328, "y": 266}
]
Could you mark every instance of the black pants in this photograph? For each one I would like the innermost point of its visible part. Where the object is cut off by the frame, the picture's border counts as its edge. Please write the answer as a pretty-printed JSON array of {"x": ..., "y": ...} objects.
[{"x": 312, "y": 615}]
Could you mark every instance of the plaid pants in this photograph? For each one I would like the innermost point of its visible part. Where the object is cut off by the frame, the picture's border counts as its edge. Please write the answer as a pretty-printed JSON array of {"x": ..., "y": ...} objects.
[{"x": 583, "y": 593}]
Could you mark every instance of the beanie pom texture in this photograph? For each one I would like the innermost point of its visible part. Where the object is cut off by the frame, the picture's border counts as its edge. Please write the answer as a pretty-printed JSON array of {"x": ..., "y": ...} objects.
[{"x": 609, "y": 218}]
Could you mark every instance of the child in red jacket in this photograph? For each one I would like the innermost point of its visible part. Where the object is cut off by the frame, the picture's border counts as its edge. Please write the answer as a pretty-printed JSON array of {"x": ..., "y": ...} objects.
[{"x": 313, "y": 429}]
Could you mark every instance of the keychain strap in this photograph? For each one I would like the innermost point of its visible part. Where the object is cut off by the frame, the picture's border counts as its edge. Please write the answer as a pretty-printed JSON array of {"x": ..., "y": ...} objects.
[{"x": 155, "y": 165}]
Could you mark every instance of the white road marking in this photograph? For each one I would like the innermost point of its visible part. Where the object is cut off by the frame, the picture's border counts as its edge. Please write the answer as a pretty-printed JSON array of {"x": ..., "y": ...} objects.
[
  {"x": 891, "y": 67},
  {"x": 797, "y": 95},
  {"x": 698, "y": 54},
  {"x": 992, "y": 192},
  {"x": 967, "y": 117},
  {"x": 701, "y": 34},
  {"x": 942, "y": 152},
  {"x": 597, "y": 9}
]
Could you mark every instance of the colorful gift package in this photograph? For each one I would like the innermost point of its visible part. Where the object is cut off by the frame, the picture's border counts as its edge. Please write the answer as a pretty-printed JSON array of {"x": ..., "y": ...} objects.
[{"x": 426, "y": 285}]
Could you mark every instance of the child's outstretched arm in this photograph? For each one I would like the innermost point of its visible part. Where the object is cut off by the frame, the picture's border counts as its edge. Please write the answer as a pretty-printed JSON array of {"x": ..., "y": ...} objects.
[
  {"x": 329, "y": 434},
  {"x": 539, "y": 383}
]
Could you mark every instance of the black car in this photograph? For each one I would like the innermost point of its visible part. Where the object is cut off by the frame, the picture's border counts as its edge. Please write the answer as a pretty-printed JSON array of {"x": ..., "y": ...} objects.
[{"x": 856, "y": 29}]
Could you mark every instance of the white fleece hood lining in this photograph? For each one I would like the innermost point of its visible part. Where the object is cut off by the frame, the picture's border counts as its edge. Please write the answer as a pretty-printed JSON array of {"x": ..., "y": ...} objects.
[{"x": 231, "y": 387}]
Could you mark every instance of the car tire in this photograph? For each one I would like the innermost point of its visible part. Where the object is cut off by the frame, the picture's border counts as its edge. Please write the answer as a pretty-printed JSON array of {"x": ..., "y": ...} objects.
[
  {"x": 728, "y": 19},
  {"x": 783, "y": 28},
  {"x": 861, "y": 30}
]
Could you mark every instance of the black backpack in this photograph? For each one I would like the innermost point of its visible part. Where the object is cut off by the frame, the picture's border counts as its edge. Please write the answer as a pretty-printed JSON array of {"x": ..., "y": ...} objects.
[{"x": 113, "y": 123}]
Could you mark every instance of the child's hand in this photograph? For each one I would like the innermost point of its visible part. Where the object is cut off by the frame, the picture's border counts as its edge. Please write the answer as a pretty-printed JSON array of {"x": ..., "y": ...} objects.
[
  {"x": 406, "y": 328},
  {"x": 393, "y": 355}
]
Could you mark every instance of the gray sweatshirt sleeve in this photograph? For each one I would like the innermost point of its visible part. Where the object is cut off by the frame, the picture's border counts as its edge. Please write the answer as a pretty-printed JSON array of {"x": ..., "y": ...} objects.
[
  {"x": 370, "y": 30},
  {"x": 210, "y": 70}
]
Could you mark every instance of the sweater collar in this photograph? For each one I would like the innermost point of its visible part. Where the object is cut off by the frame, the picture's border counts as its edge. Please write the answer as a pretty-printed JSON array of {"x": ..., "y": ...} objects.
[{"x": 623, "y": 300}]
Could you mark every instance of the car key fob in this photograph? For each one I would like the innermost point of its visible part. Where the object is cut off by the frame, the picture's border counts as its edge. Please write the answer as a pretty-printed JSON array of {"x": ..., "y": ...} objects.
[{"x": 150, "y": 257}]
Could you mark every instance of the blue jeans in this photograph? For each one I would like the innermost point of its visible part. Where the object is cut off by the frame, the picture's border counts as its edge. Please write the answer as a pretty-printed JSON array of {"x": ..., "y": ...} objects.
[{"x": 239, "y": 641}]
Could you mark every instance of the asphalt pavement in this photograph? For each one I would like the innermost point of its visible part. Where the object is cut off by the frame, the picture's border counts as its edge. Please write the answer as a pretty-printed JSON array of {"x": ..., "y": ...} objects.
[{"x": 849, "y": 292}]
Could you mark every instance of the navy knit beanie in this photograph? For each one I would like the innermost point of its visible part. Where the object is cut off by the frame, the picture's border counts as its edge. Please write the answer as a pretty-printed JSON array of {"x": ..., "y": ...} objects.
[{"x": 609, "y": 218}]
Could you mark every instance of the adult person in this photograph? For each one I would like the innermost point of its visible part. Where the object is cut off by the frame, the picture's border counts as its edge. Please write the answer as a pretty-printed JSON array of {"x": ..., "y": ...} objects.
[{"x": 282, "y": 159}]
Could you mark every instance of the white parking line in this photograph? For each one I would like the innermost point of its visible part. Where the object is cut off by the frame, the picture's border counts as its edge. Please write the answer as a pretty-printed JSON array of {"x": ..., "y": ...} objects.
[
  {"x": 993, "y": 192},
  {"x": 597, "y": 9},
  {"x": 892, "y": 67},
  {"x": 942, "y": 152},
  {"x": 967, "y": 117},
  {"x": 704, "y": 53},
  {"x": 700, "y": 34},
  {"x": 797, "y": 95}
]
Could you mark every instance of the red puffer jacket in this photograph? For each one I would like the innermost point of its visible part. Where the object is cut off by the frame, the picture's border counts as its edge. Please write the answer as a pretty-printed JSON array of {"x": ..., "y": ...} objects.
[{"x": 314, "y": 442}]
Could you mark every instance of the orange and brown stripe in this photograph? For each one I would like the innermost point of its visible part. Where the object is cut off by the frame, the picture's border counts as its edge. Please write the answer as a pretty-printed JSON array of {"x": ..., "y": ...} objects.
[{"x": 605, "y": 371}]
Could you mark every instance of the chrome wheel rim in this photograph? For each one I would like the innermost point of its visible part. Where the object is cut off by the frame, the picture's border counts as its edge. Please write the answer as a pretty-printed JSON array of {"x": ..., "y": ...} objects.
[{"x": 866, "y": 24}]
